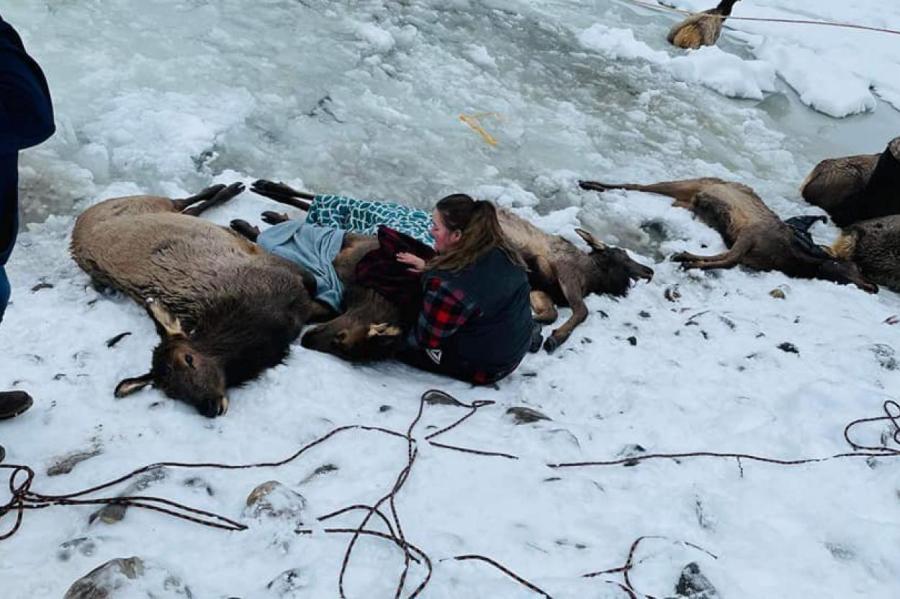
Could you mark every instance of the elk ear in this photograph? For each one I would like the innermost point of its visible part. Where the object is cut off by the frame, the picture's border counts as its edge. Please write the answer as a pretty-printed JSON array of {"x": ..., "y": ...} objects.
[
  {"x": 590, "y": 239},
  {"x": 383, "y": 329},
  {"x": 166, "y": 323},
  {"x": 128, "y": 386}
]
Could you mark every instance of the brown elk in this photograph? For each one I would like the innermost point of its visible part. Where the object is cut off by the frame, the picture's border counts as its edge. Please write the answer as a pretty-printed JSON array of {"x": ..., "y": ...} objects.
[
  {"x": 701, "y": 29},
  {"x": 370, "y": 327},
  {"x": 875, "y": 246},
  {"x": 856, "y": 188},
  {"x": 756, "y": 237},
  {"x": 224, "y": 309},
  {"x": 562, "y": 275},
  {"x": 559, "y": 273}
]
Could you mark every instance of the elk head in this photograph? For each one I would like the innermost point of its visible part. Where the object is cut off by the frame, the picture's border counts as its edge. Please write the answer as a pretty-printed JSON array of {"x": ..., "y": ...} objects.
[
  {"x": 613, "y": 269},
  {"x": 354, "y": 340},
  {"x": 179, "y": 369}
]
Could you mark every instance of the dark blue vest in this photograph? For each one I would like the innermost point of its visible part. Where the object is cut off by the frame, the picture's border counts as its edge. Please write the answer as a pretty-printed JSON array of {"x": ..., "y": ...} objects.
[{"x": 499, "y": 337}]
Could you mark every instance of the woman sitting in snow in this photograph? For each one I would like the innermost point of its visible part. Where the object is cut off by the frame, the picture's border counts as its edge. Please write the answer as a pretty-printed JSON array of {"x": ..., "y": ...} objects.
[
  {"x": 475, "y": 323},
  {"x": 475, "y": 320}
]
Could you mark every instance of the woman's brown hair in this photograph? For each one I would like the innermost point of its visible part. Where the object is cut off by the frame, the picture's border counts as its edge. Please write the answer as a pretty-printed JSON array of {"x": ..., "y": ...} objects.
[{"x": 477, "y": 222}]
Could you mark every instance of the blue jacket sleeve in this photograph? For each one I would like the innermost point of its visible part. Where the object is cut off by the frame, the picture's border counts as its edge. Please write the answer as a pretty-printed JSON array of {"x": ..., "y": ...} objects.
[{"x": 26, "y": 112}]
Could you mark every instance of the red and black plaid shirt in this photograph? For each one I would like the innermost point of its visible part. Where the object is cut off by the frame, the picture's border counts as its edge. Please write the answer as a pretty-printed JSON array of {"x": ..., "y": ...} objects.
[{"x": 444, "y": 310}]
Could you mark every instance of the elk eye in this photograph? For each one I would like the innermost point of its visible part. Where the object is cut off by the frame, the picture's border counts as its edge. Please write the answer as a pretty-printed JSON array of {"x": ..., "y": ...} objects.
[{"x": 189, "y": 359}]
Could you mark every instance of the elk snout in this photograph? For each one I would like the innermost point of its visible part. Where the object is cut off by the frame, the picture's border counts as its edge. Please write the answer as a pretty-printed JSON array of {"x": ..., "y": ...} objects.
[
  {"x": 868, "y": 287},
  {"x": 214, "y": 407},
  {"x": 639, "y": 271}
]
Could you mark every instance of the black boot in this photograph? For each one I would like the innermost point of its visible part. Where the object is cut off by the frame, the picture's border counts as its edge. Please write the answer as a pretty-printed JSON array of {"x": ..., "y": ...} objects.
[{"x": 13, "y": 403}]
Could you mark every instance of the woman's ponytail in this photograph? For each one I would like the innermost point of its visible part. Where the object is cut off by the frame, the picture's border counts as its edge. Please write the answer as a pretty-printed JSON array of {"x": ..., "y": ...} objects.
[{"x": 480, "y": 230}]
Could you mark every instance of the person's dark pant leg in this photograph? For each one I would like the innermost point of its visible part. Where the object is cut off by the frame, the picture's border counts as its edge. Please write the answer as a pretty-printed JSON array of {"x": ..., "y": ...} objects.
[
  {"x": 4, "y": 292},
  {"x": 419, "y": 358}
]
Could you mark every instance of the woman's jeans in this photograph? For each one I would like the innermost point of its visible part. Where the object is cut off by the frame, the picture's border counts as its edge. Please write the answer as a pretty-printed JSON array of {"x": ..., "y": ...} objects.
[{"x": 4, "y": 292}]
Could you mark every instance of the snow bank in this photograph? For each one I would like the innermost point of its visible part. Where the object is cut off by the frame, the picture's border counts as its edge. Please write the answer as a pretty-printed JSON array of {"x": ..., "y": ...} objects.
[{"x": 725, "y": 73}]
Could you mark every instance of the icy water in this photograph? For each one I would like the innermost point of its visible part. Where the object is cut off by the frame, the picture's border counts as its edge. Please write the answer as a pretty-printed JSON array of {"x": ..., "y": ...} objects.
[{"x": 365, "y": 98}]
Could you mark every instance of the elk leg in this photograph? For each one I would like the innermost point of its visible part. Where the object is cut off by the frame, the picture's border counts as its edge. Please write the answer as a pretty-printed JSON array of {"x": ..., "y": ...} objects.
[
  {"x": 681, "y": 191},
  {"x": 543, "y": 307},
  {"x": 579, "y": 315},
  {"x": 689, "y": 257},
  {"x": 283, "y": 194},
  {"x": 245, "y": 229},
  {"x": 724, "y": 260},
  {"x": 274, "y": 218},
  {"x": 221, "y": 197},
  {"x": 207, "y": 193}
]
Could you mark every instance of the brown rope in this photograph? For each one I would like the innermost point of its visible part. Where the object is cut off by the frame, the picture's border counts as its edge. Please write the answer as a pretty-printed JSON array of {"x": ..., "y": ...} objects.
[
  {"x": 892, "y": 414},
  {"x": 374, "y": 533},
  {"x": 672, "y": 9},
  {"x": 629, "y": 565},
  {"x": 23, "y": 498},
  {"x": 379, "y": 513},
  {"x": 495, "y": 454},
  {"x": 505, "y": 570},
  {"x": 411, "y": 453}
]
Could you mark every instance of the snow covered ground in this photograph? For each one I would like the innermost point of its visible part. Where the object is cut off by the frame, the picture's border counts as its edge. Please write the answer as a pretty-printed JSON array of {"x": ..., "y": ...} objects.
[{"x": 364, "y": 97}]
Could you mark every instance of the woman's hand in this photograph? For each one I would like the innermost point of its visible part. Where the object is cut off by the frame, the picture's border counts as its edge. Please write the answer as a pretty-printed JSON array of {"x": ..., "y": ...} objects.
[{"x": 415, "y": 263}]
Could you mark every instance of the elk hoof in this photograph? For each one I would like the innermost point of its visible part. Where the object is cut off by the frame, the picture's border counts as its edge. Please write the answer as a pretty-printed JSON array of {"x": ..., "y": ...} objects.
[
  {"x": 263, "y": 185},
  {"x": 233, "y": 189},
  {"x": 592, "y": 186},
  {"x": 536, "y": 338},
  {"x": 687, "y": 260},
  {"x": 273, "y": 218},
  {"x": 551, "y": 344},
  {"x": 244, "y": 228}
]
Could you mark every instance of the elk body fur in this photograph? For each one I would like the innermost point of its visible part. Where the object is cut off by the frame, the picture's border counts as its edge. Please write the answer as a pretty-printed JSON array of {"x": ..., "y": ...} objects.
[
  {"x": 875, "y": 246},
  {"x": 856, "y": 188},
  {"x": 225, "y": 309},
  {"x": 701, "y": 29}
]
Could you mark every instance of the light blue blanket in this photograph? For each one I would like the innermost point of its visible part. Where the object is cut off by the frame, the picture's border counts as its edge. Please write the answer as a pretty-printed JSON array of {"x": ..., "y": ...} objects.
[{"x": 314, "y": 249}]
